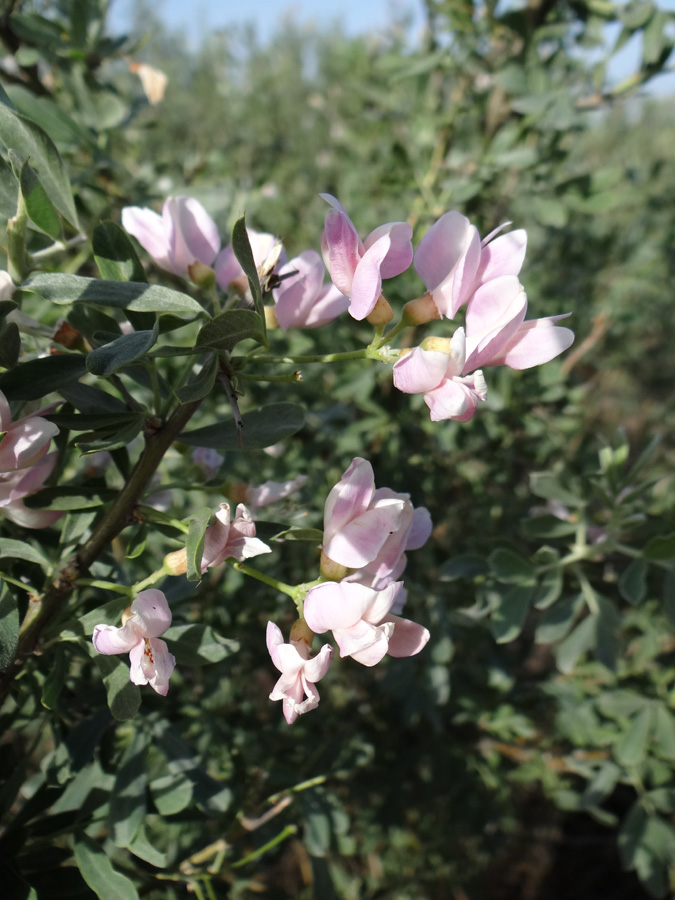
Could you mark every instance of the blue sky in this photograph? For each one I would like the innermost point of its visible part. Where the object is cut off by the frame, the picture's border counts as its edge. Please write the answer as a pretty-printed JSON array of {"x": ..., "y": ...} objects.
[
  {"x": 199, "y": 17},
  {"x": 196, "y": 18}
]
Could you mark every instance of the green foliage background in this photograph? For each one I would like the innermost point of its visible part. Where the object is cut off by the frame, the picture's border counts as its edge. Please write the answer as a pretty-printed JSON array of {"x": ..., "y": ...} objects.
[{"x": 528, "y": 751}]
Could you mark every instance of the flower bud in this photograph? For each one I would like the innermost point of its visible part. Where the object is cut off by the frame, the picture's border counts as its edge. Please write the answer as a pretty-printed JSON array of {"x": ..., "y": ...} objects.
[
  {"x": 382, "y": 312},
  {"x": 271, "y": 317},
  {"x": 421, "y": 310},
  {"x": 301, "y": 632},
  {"x": 331, "y": 570},
  {"x": 202, "y": 275},
  {"x": 176, "y": 563},
  {"x": 437, "y": 344}
]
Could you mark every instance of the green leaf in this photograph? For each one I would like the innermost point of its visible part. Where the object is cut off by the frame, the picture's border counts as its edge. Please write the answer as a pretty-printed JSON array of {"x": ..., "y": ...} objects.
[
  {"x": 631, "y": 748},
  {"x": 633, "y": 582},
  {"x": 664, "y": 731},
  {"x": 171, "y": 794},
  {"x": 608, "y": 623},
  {"x": 194, "y": 544},
  {"x": 669, "y": 597},
  {"x": 128, "y": 797},
  {"x": 22, "y": 550},
  {"x": 106, "y": 439},
  {"x": 548, "y": 486},
  {"x": 9, "y": 627},
  {"x": 658, "y": 548},
  {"x": 20, "y": 134},
  {"x": 262, "y": 428},
  {"x": 202, "y": 385},
  {"x": 549, "y": 588},
  {"x": 510, "y": 567},
  {"x": 10, "y": 345},
  {"x": 107, "y": 614},
  {"x": 109, "y": 358},
  {"x": 620, "y": 704},
  {"x": 467, "y": 566},
  {"x": 40, "y": 210},
  {"x": 9, "y": 189},
  {"x": 93, "y": 400},
  {"x": 547, "y": 526},
  {"x": 15, "y": 887},
  {"x": 96, "y": 869},
  {"x": 64, "y": 289},
  {"x": 242, "y": 250},
  {"x": 558, "y": 620},
  {"x": 55, "y": 678},
  {"x": 575, "y": 644},
  {"x": 234, "y": 325},
  {"x": 48, "y": 115},
  {"x": 84, "y": 422},
  {"x": 508, "y": 619},
  {"x": 124, "y": 698},
  {"x": 143, "y": 849},
  {"x": 64, "y": 498},
  {"x": 34, "y": 379},
  {"x": 115, "y": 254},
  {"x": 198, "y": 645}
]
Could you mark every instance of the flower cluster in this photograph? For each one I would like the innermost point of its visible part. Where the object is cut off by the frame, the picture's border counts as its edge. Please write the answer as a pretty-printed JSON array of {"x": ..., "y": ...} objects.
[
  {"x": 25, "y": 464},
  {"x": 366, "y": 533}
]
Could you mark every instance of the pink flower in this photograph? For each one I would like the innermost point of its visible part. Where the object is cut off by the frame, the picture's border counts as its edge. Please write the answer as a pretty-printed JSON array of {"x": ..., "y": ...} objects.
[
  {"x": 413, "y": 532},
  {"x": 14, "y": 486},
  {"x": 146, "y": 619},
  {"x": 357, "y": 268},
  {"x": 26, "y": 441},
  {"x": 236, "y": 539},
  {"x": 302, "y": 300},
  {"x": 361, "y": 621},
  {"x": 263, "y": 247},
  {"x": 272, "y": 491},
  {"x": 447, "y": 374},
  {"x": 453, "y": 263},
  {"x": 184, "y": 234},
  {"x": 357, "y": 523},
  {"x": 299, "y": 673},
  {"x": 208, "y": 460},
  {"x": 7, "y": 286}
]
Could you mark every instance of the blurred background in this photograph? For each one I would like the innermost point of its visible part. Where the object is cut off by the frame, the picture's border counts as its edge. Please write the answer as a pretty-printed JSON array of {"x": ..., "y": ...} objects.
[{"x": 512, "y": 759}]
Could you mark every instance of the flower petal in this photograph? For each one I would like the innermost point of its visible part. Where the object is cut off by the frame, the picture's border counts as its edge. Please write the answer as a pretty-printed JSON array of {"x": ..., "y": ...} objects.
[
  {"x": 349, "y": 497},
  {"x": 408, "y": 637},
  {"x": 110, "y": 640},
  {"x": 503, "y": 256},
  {"x": 360, "y": 541},
  {"x": 152, "y": 615},
  {"x": 367, "y": 281},
  {"x": 400, "y": 253},
  {"x": 534, "y": 344},
  {"x": 341, "y": 248},
  {"x": 336, "y": 605},
  {"x": 148, "y": 229},
  {"x": 420, "y": 370}
]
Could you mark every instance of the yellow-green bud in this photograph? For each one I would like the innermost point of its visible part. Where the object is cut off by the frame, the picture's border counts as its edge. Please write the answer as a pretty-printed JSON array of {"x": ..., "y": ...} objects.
[
  {"x": 421, "y": 310},
  {"x": 382, "y": 312},
  {"x": 439, "y": 344},
  {"x": 331, "y": 570},
  {"x": 271, "y": 317},
  {"x": 202, "y": 275},
  {"x": 176, "y": 563},
  {"x": 302, "y": 632}
]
